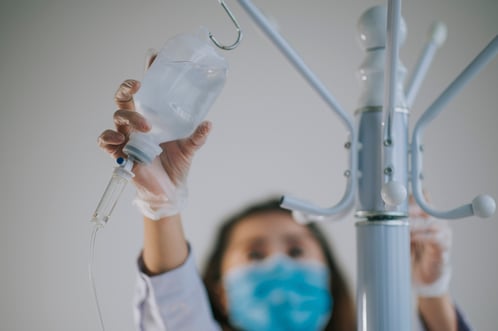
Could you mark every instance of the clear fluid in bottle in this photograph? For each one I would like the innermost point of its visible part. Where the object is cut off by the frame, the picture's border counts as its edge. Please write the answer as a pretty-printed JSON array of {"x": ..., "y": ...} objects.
[{"x": 177, "y": 98}]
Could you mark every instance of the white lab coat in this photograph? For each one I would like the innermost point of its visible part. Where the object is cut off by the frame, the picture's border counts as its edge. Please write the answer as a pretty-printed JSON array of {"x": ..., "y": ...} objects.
[{"x": 173, "y": 301}]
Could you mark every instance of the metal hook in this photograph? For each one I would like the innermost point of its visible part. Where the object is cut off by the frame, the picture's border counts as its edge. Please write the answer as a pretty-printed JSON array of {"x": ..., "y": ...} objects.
[{"x": 237, "y": 26}]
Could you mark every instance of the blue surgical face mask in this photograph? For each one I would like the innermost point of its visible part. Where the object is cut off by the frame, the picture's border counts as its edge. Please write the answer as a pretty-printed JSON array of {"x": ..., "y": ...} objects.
[{"x": 279, "y": 293}]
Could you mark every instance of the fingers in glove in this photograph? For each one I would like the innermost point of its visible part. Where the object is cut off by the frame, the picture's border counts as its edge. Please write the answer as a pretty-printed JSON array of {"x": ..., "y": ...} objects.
[
  {"x": 150, "y": 56},
  {"x": 178, "y": 157},
  {"x": 416, "y": 250},
  {"x": 199, "y": 137},
  {"x": 112, "y": 142},
  {"x": 437, "y": 232},
  {"x": 124, "y": 95},
  {"x": 189, "y": 145},
  {"x": 127, "y": 121},
  {"x": 427, "y": 257}
]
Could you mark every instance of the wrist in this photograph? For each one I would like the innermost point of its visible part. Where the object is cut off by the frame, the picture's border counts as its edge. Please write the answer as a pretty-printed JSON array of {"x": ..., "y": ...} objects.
[
  {"x": 438, "y": 313},
  {"x": 165, "y": 247},
  {"x": 156, "y": 207},
  {"x": 437, "y": 288}
]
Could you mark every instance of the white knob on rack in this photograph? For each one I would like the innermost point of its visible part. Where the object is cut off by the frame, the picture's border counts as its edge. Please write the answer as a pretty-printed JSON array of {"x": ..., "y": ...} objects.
[
  {"x": 483, "y": 206},
  {"x": 393, "y": 193},
  {"x": 372, "y": 28},
  {"x": 438, "y": 33}
]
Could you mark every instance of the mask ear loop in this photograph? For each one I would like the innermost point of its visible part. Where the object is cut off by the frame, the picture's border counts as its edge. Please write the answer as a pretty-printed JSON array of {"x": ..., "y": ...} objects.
[{"x": 237, "y": 27}]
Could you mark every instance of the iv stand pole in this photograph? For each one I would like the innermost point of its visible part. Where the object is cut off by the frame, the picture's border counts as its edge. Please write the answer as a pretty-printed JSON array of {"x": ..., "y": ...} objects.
[{"x": 380, "y": 193}]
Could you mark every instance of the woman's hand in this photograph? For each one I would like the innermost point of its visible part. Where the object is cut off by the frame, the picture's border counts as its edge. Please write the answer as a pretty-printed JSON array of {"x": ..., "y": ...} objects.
[
  {"x": 161, "y": 186},
  {"x": 430, "y": 248}
]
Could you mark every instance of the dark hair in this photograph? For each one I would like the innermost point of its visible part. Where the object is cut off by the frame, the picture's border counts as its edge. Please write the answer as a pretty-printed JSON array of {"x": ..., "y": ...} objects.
[{"x": 343, "y": 313}]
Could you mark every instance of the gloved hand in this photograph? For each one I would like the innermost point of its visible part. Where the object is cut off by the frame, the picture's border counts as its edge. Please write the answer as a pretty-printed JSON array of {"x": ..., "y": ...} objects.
[
  {"x": 430, "y": 251},
  {"x": 161, "y": 186}
]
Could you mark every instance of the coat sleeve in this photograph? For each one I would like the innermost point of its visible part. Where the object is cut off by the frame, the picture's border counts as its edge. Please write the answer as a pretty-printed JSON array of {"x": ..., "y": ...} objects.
[
  {"x": 173, "y": 301},
  {"x": 462, "y": 322}
]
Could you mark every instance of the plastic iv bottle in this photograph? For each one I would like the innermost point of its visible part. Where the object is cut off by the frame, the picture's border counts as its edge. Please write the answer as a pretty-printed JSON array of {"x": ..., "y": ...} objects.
[
  {"x": 175, "y": 96},
  {"x": 177, "y": 91}
]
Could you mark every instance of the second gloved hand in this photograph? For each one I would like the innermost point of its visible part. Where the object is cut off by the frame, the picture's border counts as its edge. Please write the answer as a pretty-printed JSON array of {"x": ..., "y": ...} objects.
[{"x": 430, "y": 250}]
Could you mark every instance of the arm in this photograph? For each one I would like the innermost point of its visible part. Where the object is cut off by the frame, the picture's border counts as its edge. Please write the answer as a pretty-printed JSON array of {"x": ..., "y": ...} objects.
[
  {"x": 431, "y": 274},
  {"x": 430, "y": 246},
  {"x": 161, "y": 186},
  {"x": 174, "y": 300},
  {"x": 170, "y": 293},
  {"x": 438, "y": 313},
  {"x": 165, "y": 246}
]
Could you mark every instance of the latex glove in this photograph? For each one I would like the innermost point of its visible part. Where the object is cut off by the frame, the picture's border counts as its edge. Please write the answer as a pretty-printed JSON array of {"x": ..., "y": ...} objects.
[
  {"x": 430, "y": 250},
  {"x": 161, "y": 186}
]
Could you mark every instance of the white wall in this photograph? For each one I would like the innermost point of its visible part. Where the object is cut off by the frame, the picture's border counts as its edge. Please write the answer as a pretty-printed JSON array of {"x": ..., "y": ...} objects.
[{"x": 60, "y": 63}]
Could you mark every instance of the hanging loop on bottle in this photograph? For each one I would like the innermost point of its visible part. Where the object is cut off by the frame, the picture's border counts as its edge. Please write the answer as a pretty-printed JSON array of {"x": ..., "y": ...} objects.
[{"x": 237, "y": 27}]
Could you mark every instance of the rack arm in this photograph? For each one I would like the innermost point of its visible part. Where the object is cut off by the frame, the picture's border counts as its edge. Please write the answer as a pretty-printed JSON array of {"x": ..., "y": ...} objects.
[
  {"x": 392, "y": 61},
  {"x": 289, "y": 202},
  {"x": 482, "y": 205},
  {"x": 437, "y": 37}
]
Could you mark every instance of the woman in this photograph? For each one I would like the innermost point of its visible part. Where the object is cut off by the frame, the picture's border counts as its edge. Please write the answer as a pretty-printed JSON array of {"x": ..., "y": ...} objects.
[
  {"x": 262, "y": 241},
  {"x": 265, "y": 232}
]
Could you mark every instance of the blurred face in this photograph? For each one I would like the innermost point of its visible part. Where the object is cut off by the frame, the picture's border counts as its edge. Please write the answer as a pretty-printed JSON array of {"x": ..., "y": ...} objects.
[
  {"x": 255, "y": 239},
  {"x": 260, "y": 236}
]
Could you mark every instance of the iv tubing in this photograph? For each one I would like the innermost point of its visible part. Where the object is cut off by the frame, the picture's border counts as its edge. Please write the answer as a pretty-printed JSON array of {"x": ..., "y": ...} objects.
[
  {"x": 318, "y": 86},
  {"x": 91, "y": 263},
  {"x": 120, "y": 177}
]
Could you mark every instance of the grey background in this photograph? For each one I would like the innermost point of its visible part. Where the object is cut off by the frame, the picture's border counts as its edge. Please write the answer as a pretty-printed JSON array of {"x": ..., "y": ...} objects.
[{"x": 61, "y": 62}]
